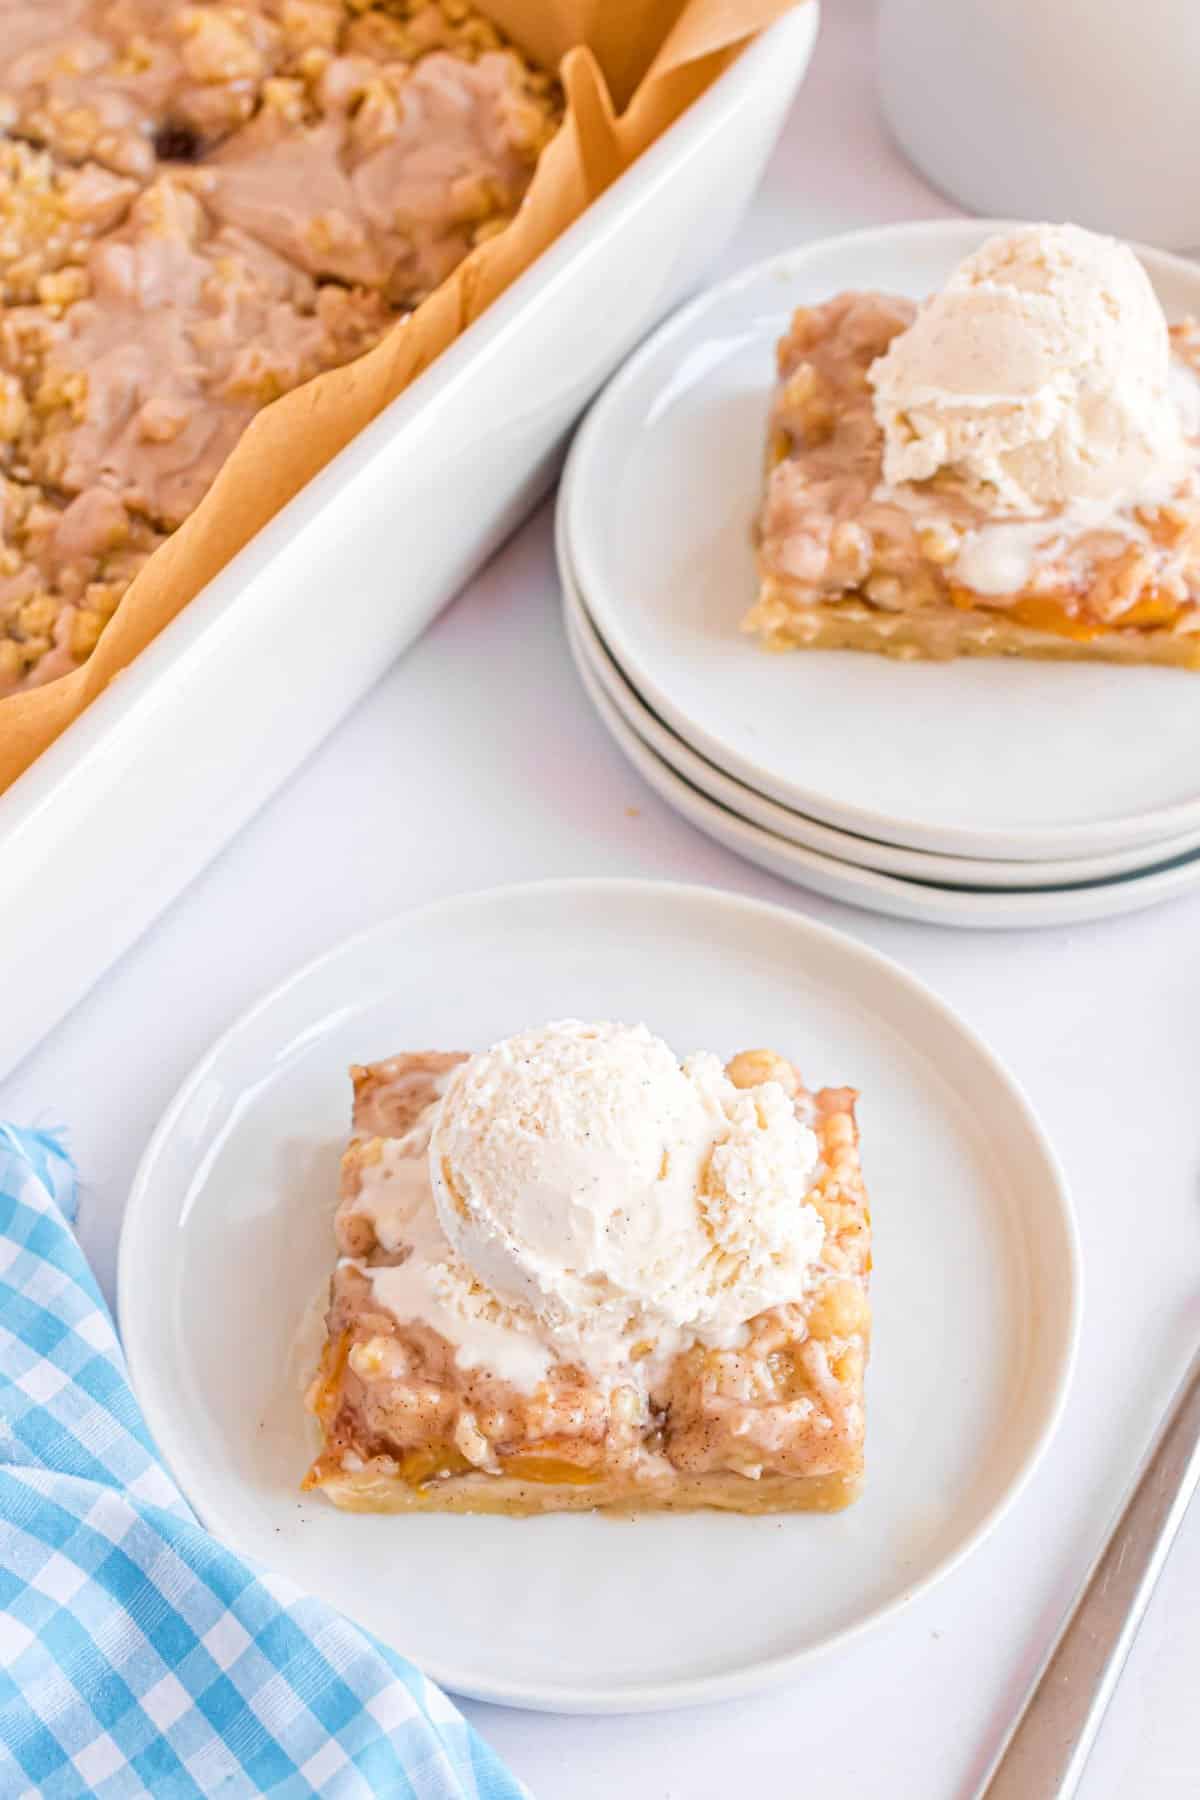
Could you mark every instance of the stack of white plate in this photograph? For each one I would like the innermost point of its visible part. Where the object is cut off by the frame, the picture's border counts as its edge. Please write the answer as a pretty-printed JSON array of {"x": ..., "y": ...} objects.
[{"x": 989, "y": 792}]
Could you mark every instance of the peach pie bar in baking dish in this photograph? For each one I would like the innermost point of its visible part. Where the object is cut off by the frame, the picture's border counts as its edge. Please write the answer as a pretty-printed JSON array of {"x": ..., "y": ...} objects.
[
  {"x": 574, "y": 1272},
  {"x": 1012, "y": 468},
  {"x": 205, "y": 204}
]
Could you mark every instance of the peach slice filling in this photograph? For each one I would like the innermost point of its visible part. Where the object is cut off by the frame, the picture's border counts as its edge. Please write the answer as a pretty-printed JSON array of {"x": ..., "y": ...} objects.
[
  {"x": 529, "y": 1466},
  {"x": 418, "y": 1467},
  {"x": 1059, "y": 613}
]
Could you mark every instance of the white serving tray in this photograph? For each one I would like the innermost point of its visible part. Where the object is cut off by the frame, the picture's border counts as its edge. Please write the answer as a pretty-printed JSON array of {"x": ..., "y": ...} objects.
[{"x": 116, "y": 818}]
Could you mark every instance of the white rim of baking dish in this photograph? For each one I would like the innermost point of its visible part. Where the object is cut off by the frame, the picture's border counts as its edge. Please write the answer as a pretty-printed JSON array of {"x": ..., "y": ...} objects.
[{"x": 168, "y": 1429}]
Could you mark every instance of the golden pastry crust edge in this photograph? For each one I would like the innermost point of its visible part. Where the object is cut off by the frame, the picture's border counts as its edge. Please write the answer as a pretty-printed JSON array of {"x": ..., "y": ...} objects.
[{"x": 941, "y": 634}]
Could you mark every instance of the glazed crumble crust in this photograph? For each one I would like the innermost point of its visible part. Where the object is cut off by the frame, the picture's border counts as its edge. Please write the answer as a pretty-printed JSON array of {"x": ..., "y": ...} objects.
[
  {"x": 844, "y": 565},
  {"x": 64, "y": 566},
  {"x": 776, "y": 1424},
  {"x": 141, "y": 386},
  {"x": 416, "y": 161},
  {"x": 201, "y": 207},
  {"x": 390, "y": 1096}
]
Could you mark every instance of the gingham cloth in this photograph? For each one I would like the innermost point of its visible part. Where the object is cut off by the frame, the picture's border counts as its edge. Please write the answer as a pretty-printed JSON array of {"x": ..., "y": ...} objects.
[{"x": 137, "y": 1655}]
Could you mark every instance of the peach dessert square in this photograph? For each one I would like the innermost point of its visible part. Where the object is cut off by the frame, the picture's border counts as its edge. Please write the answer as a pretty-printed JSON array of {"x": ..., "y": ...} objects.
[
  {"x": 574, "y": 1272},
  {"x": 1012, "y": 468}
]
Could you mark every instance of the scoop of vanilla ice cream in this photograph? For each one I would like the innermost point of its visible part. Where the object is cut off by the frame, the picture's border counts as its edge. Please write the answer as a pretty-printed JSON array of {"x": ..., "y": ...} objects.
[
  {"x": 1039, "y": 374},
  {"x": 582, "y": 1172}
]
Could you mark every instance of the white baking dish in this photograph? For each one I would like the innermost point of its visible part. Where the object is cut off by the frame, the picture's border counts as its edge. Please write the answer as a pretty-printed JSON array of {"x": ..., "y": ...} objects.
[{"x": 127, "y": 807}]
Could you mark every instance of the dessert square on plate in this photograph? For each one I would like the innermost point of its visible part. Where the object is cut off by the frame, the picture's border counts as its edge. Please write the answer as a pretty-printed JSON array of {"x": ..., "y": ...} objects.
[
  {"x": 687, "y": 1607},
  {"x": 642, "y": 1374},
  {"x": 1011, "y": 468}
]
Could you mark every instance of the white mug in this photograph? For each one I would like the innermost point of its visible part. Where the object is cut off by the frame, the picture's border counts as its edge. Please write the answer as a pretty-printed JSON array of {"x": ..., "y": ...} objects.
[{"x": 1087, "y": 110}]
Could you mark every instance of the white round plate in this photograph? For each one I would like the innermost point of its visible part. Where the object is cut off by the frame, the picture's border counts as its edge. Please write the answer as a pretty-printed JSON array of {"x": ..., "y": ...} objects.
[
  {"x": 988, "y": 757},
  {"x": 228, "y": 1236},
  {"x": 978, "y": 909},
  {"x": 810, "y": 834}
]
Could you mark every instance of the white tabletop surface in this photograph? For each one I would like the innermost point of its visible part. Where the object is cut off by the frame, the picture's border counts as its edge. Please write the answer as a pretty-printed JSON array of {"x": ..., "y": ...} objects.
[{"x": 477, "y": 761}]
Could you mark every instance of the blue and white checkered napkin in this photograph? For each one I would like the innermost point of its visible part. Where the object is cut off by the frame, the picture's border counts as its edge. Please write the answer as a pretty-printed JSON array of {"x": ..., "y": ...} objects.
[{"x": 137, "y": 1655}]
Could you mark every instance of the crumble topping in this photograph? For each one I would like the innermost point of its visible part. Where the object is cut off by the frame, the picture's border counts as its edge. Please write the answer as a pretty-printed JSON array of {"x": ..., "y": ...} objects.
[{"x": 203, "y": 206}]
